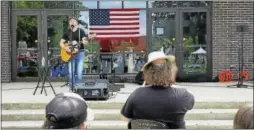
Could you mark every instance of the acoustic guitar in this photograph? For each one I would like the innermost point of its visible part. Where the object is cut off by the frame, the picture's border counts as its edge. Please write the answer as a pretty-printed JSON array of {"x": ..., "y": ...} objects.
[
  {"x": 74, "y": 46},
  {"x": 66, "y": 56}
]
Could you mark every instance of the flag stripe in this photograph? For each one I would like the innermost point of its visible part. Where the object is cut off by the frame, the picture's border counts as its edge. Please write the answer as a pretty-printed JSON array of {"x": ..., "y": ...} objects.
[
  {"x": 124, "y": 15},
  {"x": 115, "y": 26},
  {"x": 119, "y": 28},
  {"x": 117, "y": 33},
  {"x": 104, "y": 31},
  {"x": 134, "y": 23},
  {"x": 124, "y": 21},
  {"x": 123, "y": 12},
  {"x": 115, "y": 23},
  {"x": 118, "y": 38},
  {"x": 127, "y": 9},
  {"x": 123, "y": 35}
]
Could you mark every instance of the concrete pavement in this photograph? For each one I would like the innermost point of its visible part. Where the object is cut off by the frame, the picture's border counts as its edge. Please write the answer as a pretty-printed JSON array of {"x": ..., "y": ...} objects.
[
  {"x": 112, "y": 111},
  {"x": 215, "y": 116},
  {"x": 209, "y": 92},
  {"x": 28, "y": 124}
]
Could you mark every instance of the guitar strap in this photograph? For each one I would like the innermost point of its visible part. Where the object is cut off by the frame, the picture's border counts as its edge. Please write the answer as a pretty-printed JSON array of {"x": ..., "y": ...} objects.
[
  {"x": 79, "y": 37},
  {"x": 69, "y": 37},
  {"x": 71, "y": 40}
]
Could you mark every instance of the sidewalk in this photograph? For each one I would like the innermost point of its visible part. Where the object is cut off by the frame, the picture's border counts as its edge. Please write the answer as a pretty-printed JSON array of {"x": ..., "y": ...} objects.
[
  {"x": 208, "y": 92},
  {"x": 115, "y": 123}
]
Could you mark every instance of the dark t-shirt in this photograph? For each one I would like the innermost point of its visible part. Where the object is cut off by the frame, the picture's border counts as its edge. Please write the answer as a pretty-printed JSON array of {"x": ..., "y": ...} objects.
[
  {"x": 167, "y": 105},
  {"x": 75, "y": 36}
]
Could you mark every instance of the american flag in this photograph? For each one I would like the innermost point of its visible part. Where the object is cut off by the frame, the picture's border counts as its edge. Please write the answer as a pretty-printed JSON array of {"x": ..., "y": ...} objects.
[{"x": 114, "y": 23}]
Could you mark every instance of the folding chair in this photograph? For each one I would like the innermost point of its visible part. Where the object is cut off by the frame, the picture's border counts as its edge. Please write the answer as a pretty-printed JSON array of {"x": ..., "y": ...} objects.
[{"x": 146, "y": 124}]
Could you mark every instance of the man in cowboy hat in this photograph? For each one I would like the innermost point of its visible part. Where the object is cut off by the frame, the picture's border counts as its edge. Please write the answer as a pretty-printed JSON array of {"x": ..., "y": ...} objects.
[
  {"x": 159, "y": 58},
  {"x": 159, "y": 100}
]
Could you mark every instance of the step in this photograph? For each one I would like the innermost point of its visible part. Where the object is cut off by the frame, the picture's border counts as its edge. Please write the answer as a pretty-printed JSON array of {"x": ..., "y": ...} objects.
[
  {"x": 203, "y": 93},
  {"x": 99, "y": 114},
  {"x": 206, "y": 127},
  {"x": 111, "y": 111},
  {"x": 97, "y": 117},
  {"x": 214, "y": 123},
  {"x": 103, "y": 105}
]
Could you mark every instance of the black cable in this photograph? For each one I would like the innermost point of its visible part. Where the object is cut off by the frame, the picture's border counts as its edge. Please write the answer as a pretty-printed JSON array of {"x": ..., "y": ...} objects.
[{"x": 72, "y": 49}]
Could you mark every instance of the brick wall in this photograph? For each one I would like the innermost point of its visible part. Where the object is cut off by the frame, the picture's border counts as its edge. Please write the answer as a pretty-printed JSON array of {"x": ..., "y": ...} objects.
[
  {"x": 5, "y": 43},
  {"x": 226, "y": 16}
]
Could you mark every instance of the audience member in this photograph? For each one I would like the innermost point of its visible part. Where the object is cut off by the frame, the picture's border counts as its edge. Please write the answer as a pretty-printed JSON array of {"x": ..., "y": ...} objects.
[
  {"x": 244, "y": 118},
  {"x": 66, "y": 110},
  {"x": 158, "y": 100}
]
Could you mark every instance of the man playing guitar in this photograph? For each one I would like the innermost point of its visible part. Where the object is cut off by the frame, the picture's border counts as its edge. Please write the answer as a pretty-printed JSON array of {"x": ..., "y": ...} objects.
[{"x": 75, "y": 64}]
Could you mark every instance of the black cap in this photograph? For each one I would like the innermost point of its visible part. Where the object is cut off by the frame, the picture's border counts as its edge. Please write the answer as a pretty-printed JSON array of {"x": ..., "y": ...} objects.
[{"x": 66, "y": 110}]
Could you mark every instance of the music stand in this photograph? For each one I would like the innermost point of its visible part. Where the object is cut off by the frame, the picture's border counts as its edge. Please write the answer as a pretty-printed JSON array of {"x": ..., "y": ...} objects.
[
  {"x": 241, "y": 29},
  {"x": 43, "y": 73}
]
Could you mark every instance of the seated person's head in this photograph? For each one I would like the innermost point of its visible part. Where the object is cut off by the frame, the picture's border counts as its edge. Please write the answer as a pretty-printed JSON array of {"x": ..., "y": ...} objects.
[
  {"x": 66, "y": 110},
  {"x": 244, "y": 118},
  {"x": 160, "y": 69}
]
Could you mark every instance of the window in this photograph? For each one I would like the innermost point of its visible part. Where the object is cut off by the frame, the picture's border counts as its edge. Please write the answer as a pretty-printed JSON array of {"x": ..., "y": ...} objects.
[
  {"x": 42, "y": 4},
  {"x": 28, "y": 4},
  {"x": 110, "y": 4},
  {"x": 172, "y": 4},
  {"x": 134, "y": 4},
  {"x": 58, "y": 4},
  {"x": 85, "y": 4}
]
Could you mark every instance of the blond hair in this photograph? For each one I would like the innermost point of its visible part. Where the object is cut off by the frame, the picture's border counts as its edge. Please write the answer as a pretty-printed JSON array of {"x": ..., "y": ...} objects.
[
  {"x": 164, "y": 75},
  {"x": 244, "y": 118}
]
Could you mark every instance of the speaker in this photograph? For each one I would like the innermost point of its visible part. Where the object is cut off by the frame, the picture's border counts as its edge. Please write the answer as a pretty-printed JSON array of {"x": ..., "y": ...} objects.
[{"x": 93, "y": 89}]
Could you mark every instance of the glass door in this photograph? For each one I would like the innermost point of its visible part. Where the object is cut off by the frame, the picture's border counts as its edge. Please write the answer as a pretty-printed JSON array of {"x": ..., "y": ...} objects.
[
  {"x": 56, "y": 24},
  {"x": 36, "y": 36},
  {"x": 195, "y": 49},
  {"x": 185, "y": 34},
  {"x": 164, "y": 32},
  {"x": 26, "y": 40}
]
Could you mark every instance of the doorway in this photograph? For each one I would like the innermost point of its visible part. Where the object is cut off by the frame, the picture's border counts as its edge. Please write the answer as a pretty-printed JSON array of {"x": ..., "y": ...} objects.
[
  {"x": 35, "y": 35},
  {"x": 185, "y": 34}
]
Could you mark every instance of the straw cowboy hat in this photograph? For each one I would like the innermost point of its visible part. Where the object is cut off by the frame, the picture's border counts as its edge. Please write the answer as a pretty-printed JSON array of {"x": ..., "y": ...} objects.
[{"x": 157, "y": 55}]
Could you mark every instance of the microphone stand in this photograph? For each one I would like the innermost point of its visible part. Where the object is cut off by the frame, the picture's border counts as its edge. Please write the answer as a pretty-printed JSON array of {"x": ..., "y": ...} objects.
[
  {"x": 72, "y": 50},
  {"x": 240, "y": 83}
]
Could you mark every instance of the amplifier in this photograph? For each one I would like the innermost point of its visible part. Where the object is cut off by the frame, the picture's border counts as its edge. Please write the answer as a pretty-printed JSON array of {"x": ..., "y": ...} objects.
[{"x": 93, "y": 89}]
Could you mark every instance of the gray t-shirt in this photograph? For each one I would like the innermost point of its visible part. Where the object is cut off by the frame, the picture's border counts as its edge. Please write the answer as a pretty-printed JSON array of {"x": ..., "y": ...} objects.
[{"x": 167, "y": 105}]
